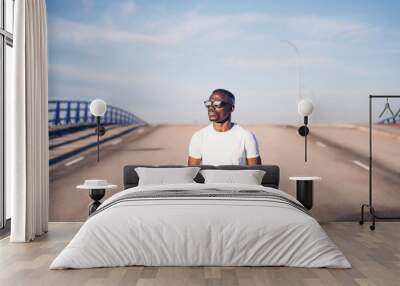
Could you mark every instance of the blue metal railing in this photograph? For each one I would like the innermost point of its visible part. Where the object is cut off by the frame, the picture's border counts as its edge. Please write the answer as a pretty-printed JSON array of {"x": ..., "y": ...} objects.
[
  {"x": 72, "y": 112},
  {"x": 69, "y": 116}
]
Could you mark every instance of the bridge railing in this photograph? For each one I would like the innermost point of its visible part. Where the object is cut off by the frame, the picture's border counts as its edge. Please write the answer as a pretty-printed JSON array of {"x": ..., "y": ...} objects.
[{"x": 74, "y": 112}]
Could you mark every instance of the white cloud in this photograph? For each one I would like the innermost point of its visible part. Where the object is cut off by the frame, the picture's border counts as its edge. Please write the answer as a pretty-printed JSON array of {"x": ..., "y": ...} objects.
[
  {"x": 115, "y": 12},
  {"x": 191, "y": 24},
  {"x": 127, "y": 8},
  {"x": 176, "y": 29},
  {"x": 274, "y": 64},
  {"x": 87, "y": 5},
  {"x": 258, "y": 65},
  {"x": 144, "y": 84},
  {"x": 329, "y": 28},
  {"x": 101, "y": 78},
  {"x": 165, "y": 31},
  {"x": 87, "y": 34}
]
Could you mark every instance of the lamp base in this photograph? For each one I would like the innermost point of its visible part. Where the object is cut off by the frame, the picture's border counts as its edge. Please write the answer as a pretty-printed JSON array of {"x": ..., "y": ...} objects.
[
  {"x": 101, "y": 129},
  {"x": 303, "y": 130},
  {"x": 96, "y": 195}
]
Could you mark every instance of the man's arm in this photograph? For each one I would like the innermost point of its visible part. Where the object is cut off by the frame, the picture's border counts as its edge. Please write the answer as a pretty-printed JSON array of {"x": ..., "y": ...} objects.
[
  {"x": 194, "y": 158},
  {"x": 253, "y": 161},
  {"x": 193, "y": 161},
  {"x": 252, "y": 151}
]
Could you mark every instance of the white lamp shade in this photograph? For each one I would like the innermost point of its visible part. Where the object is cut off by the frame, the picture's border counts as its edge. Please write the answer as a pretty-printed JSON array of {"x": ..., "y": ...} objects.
[
  {"x": 98, "y": 107},
  {"x": 305, "y": 107}
]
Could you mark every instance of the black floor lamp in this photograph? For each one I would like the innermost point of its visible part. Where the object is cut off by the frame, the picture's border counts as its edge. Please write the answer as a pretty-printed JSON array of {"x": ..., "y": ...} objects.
[
  {"x": 98, "y": 108},
  {"x": 370, "y": 205}
]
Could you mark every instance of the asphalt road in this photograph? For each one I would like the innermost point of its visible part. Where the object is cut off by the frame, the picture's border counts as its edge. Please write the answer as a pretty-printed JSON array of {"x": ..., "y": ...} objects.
[{"x": 337, "y": 197}]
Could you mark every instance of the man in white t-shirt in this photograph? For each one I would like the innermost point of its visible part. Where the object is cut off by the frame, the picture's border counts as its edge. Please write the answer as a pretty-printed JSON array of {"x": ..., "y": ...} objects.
[{"x": 223, "y": 142}]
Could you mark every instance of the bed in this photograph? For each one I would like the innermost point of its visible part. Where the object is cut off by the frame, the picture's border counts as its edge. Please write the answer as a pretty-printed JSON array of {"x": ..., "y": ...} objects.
[{"x": 201, "y": 224}]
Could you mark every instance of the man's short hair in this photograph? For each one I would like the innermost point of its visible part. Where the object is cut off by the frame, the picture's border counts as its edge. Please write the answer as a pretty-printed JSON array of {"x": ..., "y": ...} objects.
[{"x": 226, "y": 93}]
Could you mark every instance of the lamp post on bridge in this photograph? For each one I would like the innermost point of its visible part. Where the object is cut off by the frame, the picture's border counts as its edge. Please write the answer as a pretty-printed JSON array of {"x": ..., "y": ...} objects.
[{"x": 298, "y": 65}]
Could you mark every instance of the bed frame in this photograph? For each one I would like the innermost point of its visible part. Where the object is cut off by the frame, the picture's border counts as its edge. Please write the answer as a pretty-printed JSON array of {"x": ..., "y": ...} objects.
[{"x": 270, "y": 179}]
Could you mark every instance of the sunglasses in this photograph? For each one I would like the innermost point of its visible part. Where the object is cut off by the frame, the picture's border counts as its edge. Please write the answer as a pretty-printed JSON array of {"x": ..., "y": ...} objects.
[{"x": 215, "y": 104}]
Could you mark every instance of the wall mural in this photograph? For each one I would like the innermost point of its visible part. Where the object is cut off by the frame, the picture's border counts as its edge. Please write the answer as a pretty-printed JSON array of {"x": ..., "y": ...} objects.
[{"x": 294, "y": 67}]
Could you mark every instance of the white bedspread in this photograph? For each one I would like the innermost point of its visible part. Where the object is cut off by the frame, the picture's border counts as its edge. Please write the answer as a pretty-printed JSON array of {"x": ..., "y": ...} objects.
[{"x": 200, "y": 231}]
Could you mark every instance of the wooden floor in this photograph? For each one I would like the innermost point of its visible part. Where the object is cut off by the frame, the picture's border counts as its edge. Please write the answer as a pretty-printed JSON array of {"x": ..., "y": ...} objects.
[{"x": 374, "y": 255}]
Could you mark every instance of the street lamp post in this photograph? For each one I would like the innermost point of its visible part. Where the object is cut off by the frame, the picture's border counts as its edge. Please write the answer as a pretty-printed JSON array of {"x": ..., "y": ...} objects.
[
  {"x": 305, "y": 106},
  {"x": 298, "y": 65}
]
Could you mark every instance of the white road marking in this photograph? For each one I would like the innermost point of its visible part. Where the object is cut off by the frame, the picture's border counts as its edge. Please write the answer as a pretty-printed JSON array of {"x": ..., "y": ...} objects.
[
  {"x": 320, "y": 144},
  {"x": 117, "y": 141},
  {"x": 74, "y": 161},
  {"x": 5, "y": 237},
  {"x": 359, "y": 164}
]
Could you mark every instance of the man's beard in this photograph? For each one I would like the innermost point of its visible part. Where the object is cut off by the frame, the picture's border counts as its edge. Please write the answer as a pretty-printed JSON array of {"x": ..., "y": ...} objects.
[{"x": 228, "y": 118}]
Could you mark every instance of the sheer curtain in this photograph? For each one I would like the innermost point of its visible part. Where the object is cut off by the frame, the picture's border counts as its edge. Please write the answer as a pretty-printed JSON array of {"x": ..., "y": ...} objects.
[{"x": 27, "y": 121}]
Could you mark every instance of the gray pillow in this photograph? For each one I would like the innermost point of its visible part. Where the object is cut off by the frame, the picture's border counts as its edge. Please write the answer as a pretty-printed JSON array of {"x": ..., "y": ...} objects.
[
  {"x": 249, "y": 177},
  {"x": 162, "y": 176}
]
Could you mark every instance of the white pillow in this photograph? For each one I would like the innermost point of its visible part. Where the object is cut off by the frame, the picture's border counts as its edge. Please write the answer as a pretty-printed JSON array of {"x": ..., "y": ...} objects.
[
  {"x": 249, "y": 177},
  {"x": 162, "y": 176}
]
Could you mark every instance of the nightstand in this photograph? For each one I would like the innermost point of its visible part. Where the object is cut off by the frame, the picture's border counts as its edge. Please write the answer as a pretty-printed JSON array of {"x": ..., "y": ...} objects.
[
  {"x": 304, "y": 190},
  {"x": 97, "y": 190}
]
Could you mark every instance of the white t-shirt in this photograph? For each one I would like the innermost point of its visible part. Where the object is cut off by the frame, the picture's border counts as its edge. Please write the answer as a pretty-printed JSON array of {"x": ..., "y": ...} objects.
[{"x": 230, "y": 147}]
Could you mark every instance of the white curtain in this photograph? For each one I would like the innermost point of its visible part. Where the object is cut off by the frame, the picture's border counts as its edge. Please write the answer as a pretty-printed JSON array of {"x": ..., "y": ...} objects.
[{"x": 27, "y": 122}]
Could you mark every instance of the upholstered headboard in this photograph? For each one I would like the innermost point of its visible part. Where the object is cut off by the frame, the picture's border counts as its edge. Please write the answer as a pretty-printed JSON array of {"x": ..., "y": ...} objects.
[{"x": 270, "y": 179}]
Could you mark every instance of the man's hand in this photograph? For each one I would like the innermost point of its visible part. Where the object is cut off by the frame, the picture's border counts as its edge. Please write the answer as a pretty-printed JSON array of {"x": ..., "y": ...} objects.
[
  {"x": 253, "y": 161},
  {"x": 193, "y": 161}
]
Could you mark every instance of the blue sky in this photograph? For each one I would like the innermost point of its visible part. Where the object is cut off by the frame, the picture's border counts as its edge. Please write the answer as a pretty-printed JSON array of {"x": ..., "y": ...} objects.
[{"x": 161, "y": 59}]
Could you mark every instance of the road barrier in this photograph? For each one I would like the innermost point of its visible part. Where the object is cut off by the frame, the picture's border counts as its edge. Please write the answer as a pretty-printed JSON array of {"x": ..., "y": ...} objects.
[
  {"x": 72, "y": 112},
  {"x": 70, "y": 116}
]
